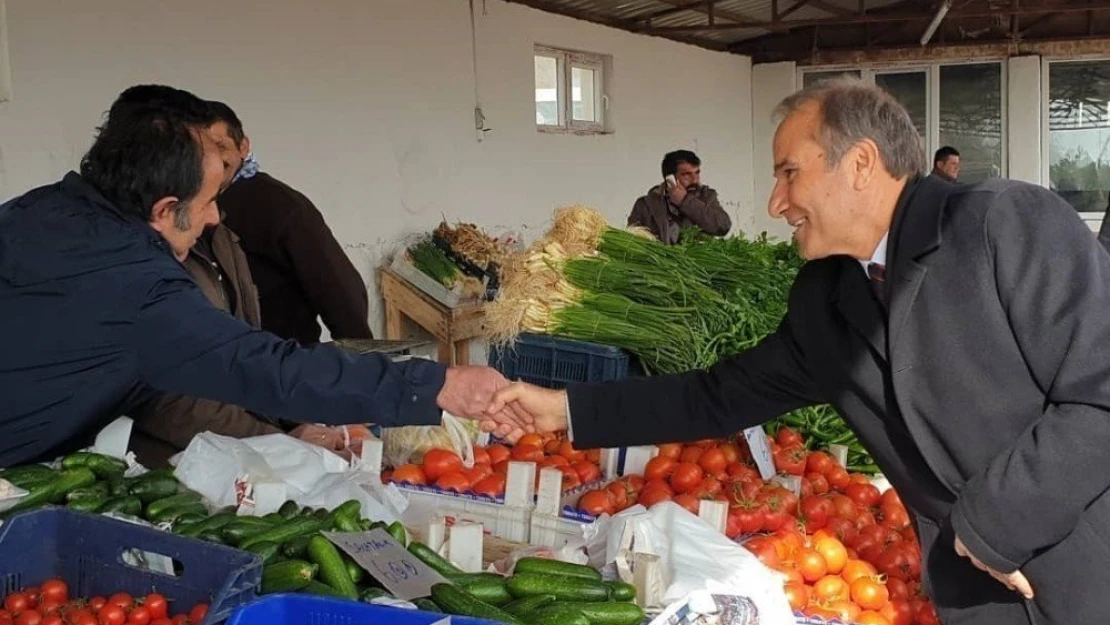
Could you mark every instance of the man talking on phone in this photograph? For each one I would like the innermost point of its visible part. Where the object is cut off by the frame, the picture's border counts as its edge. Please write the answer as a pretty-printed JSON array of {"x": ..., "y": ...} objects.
[{"x": 681, "y": 201}]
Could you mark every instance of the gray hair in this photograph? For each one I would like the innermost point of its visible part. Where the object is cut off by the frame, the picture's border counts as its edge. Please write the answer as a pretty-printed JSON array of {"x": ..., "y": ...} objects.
[{"x": 851, "y": 111}]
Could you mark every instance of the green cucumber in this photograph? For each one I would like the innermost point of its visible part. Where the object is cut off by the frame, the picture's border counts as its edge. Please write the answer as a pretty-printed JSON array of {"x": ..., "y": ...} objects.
[
  {"x": 128, "y": 505},
  {"x": 266, "y": 551},
  {"x": 284, "y": 532},
  {"x": 119, "y": 487},
  {"x": 54, "y": 491},
  {"x": 155, "y": 508},
  {"x": 319, "y": 588},
  {"x": 620, "y": 591},
  {"x": 546, "y": 566},
  {"x": 243, "y": 527},
  {"x": 353, "y": 569},
  {"x": 557, "y": 615},
  {"x": 455, "y": 600},
  {"x": 213, "y": 536},
  {"x": 288, "y": 576},
  {"x": 489, "y": 589},
  {"x": 521, "y": 607},
  {"x": 605, "y": 612},
  {"x": 216, "y": 521},
  {"x": 365, "y": 524},
  {"x": 98, "y": 490},
  {"x": 274, "y": 518},
  {"x": 438, "y": 563},
  {"x": 332, "y": 570},
  {"x": 86, "y": 504},
  {"x": 351, "y": 507},
  {"x": 369, "y": 594},
  {"x": 425, "y": 604},
  {"x": 150, "y": 489},
  {"x": 346, "y": 523},
  {"x": 34, "y": 481},
  {"x": 289, "y": 509},
  {"x": 297, "y": 547},
  {"x": 14, "y": 474},
  {"x": 397, "y": 531},
  {"x": 564, "y": 588},
  {"x": 173, "y": 513},
  {"x": 103, "y": 466}
]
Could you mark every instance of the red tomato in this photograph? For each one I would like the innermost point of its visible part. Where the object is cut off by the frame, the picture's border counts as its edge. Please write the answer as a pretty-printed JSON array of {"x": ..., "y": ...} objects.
[
  {"x": 797, "y": 594},
  {"x": 927, "y": 614},
  {"x": 567, "y": 450},
  {"x": 691, "y": 453},
  {"x": 111, "y": 614},
  {"x": 48, "y": 607},
  {"x": 16, "y": 602},
  {"x": 688, "y": 501},
  {"x": 439, "y": 462},
  {"x": 670, "y": 450},
  {"x": 55, "y": 590},
  {"x": 481, "y": 456},
  {"x": 181, "y": 619},
  {"x": 898, "y": 611},
  {"x": 742, "y": 471},
  {"x": 651, "y": 496},
  {"x": 819, "y": 462},
  {"x": 570, "y": 477},
  {"x": 491, "y": 486},
  {"x": 554, "y": 461},
  {"x": 81, "y": 617},
  {"x": 161, "y": 621},
  {"x": 865, "y": 495},
  {"x": 28, "y": 617},
  {"x": 475, "y": 473},
  {"x": 199, "y": 611},
  {"x": 686, "y": 477},
  {"x": 96, "y": 603},
  {"x": 659, "y": 468},
  {"x": 869, "y": 593},
  {"x": 122, "y": 599},
  {"x": 791, "y": 459},
  {"x": 139, "y": 616},
  {"x": 815, "y": 513},
  {"x": 455, "y": 481},
  {"x": 526, "y": 453},
  {"x": 497, "y": 453},
  {"x": 838, "y": 478},
  {"x": 897, "y": 588},
  {"x": 623, "y": 495},
  {"x": 731, "y": 452},
  {"x": 634, "y": 482},
  {"x": 750, "y": 517},
  {"x": 409, "y": 474},
  {"x": 658, "y": 485},
  {"x": 587, "y": 471},
  {"x": 787, "y": 437},
  {"x": 765, "y": 550},
  {"x": 596, "y": 503},
  {"x": 817, "y": 483},
  {"x": 844, "y": 530},
  {"x": 845, "y": 507},
  {"x": 53, "y": 619},
  {"x": 713, "y": 461}
]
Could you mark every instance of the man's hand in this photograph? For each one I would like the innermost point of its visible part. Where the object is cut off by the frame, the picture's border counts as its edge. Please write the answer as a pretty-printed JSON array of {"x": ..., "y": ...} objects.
[
  {"x": 1014, "y": 581},
  {"x": 523, "y": 408},
  {"x": 467, "y": 391},
  {"x": 329, "y": 438},
  {"x": 677, "y": 193}
]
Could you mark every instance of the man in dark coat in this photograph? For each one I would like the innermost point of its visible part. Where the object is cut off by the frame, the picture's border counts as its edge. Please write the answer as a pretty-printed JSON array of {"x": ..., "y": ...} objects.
[
  {"x": 961, "y": 330},
  {"x": 681, "y": 201},
  {"x": 97, "y": 312}
]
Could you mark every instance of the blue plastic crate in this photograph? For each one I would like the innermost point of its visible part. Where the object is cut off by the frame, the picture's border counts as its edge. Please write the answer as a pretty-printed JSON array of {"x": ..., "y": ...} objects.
[
  {"x": 290, "y": 609},
  {"x": 556, "y": 362},
  {"x": 87, "y": 552}
]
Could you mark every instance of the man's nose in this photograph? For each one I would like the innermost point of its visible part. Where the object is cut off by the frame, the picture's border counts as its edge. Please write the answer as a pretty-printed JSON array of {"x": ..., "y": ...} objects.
[{"x": 777, "y": 204}]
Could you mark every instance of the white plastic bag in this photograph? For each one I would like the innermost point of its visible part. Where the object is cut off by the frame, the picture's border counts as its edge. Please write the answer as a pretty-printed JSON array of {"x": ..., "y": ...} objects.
[{"x": 408, "y": 444}]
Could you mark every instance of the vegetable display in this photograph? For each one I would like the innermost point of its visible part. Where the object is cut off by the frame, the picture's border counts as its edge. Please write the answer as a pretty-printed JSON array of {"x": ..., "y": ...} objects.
[{"x": 50, "y": 603}]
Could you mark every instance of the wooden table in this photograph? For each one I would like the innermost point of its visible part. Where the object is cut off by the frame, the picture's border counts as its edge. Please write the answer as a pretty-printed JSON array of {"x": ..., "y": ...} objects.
[{"x": 453, "y": 328}]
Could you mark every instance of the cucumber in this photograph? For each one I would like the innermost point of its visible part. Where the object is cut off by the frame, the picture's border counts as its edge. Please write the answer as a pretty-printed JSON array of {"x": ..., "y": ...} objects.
[
  {"x": 213, "y": 536},
  {"x": 119, "y": 487},
  {"x": 155, "y": 508},
  {"x": 332, "y": 570},
  {"x": 397, "y": 531},
  {"x": 13, "y": 474},
  {"x": 621, "y": 591},
  {"x": 564, "y": 588},
  {"x": 346, "y": 523},
  {"x": 546, "y": 566},
  {"x": 33, "y": 481},
  {"x": 368, "y": 595},
  {"x": 98, "y": 490},
  {"x": 150, "y": 489},
  {"x": 557, "y": 615},
  {"x": 215, "y": 522},
  {"x": 521, "y": 607},
  {"x": 103, "y": 466},
  {"x": 436, "y": 562},
  {"x": 274, "y": 518},
  {"x": 244, "y": 527},
  {"x": 289, "y": 509},
  {"x": 86, "y": 504},
  {"x": 605, "y": 612},
  {"x": 425, "y": 604},
  {"x": 319, "y": 588},
  {"x": 365, "y": 524},
  {"x": 297, "y": 547},
  {"x": 284, "y": 532},
  {"x": 353, "y": 569},
  {"x": 128, "y": 505},
  {"x": 288, "y": 576},
  {"x": 351, "y": 507},
  {"x": 157, "y": 474},
  {"x": 490, "y": 589},
  {"x": 322, "y": 513},
  {"x": 54, "y": 491},
  {"x": 455, "y": 600},
  {"x": 171, "y": 514},
  {"x": 266, "y": 551}
]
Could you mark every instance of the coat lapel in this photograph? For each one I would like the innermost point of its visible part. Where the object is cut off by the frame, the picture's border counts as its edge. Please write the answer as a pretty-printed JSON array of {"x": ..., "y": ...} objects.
[{"x": 859, "y": 307}]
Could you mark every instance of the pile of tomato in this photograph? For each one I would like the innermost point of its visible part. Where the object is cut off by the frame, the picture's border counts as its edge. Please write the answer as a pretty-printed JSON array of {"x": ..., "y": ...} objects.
[
  {"x": 444, "y": 469},
  {"x": 50, "y": 604}
]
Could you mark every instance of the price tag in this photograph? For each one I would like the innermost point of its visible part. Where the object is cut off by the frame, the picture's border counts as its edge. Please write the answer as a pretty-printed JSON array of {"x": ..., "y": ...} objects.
[
  {"x": 761, "y": 451},
  {"x": 402, "y": 573}
]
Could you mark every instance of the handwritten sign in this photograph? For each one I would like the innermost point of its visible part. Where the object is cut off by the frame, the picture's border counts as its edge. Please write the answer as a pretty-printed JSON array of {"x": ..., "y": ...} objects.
[
  {"x": 761, "y": 451},
  {"x": 402, "y": 573}
]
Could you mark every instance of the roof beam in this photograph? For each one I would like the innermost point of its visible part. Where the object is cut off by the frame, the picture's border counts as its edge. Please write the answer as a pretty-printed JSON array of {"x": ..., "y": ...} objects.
[{"x": 705, "y": 9}]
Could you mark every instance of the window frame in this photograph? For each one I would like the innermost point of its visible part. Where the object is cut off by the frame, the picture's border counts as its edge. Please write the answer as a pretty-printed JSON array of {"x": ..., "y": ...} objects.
[{"x": 566, "y": 62}]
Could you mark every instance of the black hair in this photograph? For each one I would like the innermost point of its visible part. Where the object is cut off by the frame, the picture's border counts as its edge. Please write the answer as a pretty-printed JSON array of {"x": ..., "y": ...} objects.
[
  {"x": 943, "y": 154},
  {"x": 673, "y": 159},
  {"x": 223, "y": 113},
  {"x": 189, "y": 107},
  {"x": 146, "y": 150}
]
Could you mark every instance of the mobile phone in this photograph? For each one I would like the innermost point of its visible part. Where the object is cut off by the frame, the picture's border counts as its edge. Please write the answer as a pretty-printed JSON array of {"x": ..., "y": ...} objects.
[{"x": 671, "y": 182}]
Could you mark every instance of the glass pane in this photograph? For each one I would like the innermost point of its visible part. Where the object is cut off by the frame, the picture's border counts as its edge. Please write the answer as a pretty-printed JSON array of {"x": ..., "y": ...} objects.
[
  {"x": 812, "y": 78},
  {"x": 1079, "y": 133},
  {"x": 547, "y": 91},
  {"x": 911, "y": 91},
  {"x": 583, "y": 94},
  {"x": 971, "y": 118}
]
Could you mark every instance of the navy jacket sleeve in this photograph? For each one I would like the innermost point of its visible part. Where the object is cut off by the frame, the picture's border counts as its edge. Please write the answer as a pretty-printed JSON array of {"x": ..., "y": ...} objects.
[
  {"x": 1054, "y": 281},
  {"x": 184, "y": 345},
  {"x": 755, "y": 386}
]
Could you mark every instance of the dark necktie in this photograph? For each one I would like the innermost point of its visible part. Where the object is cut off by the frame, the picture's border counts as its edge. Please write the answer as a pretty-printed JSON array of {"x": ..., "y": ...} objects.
[{"x": 877, "y": 273}]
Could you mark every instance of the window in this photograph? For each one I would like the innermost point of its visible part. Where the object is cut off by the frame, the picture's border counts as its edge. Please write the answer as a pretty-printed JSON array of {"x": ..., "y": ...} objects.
[
  {"x": 1079, "y": 133},
  {"x": 971, "y": 118},
  {"x": 570, "y": 90},
  {"x": 812, "y": 78},
  {"x": 911, "y": 89}
]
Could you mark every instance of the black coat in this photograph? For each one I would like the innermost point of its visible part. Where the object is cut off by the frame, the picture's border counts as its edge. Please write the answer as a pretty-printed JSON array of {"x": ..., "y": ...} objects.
[{"x": 985, "y": 398}]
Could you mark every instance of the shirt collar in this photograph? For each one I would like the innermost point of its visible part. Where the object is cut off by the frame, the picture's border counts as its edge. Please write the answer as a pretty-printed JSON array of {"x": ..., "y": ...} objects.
[{"x": 879, "y": 256}]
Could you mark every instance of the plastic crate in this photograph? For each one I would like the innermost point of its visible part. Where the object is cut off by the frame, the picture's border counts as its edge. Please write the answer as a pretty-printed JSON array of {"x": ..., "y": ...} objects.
[
  {"x": 498, "y": 519},
  {"x": 87, "y": 551},
  {"x": 307, "y": 609},
  {"x": 556, "y": 362}
]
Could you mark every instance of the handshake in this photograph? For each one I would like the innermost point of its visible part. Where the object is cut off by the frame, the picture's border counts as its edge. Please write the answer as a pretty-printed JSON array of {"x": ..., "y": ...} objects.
[{"x": 506, "y": 409}]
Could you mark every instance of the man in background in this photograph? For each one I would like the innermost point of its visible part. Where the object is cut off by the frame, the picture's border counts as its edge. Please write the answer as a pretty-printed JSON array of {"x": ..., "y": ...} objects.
[
  {"x": 946, "y": 164},
  {"x": 301, "y": 271},
  {"x": 681, "y": 201}
]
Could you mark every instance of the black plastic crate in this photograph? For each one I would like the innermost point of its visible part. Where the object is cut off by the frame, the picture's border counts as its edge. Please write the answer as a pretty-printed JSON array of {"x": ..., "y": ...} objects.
[{"x": 556, "y": 362}]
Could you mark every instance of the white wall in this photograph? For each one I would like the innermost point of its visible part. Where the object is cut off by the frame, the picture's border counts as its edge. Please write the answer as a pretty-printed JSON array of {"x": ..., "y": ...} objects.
[
  {"x": 771, "y": 82},
  {"x": 367, "y": 106},
  {"x": 1023, "y": 118}
]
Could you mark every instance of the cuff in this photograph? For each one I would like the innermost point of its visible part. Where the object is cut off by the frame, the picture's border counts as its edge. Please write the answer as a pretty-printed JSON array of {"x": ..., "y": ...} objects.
[
  {"x": 977, "y": 546},
  {"x": 418, "y": 401}
]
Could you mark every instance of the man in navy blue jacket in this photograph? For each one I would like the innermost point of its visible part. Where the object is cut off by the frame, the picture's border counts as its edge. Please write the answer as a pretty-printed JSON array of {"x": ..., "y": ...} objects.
[{"x": 97, "y": 312}]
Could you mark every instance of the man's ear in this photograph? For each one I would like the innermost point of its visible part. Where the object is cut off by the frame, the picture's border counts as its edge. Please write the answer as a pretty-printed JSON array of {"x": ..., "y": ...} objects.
[
  {"x": 245, "y": 148},
  {"x": 162, "y": 213},
  {"x": 865, "y": 162}
]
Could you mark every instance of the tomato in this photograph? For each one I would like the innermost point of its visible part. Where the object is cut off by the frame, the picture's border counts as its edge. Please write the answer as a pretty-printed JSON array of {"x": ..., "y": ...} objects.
[
  {"x": 713, "y": 461},
  {"x": 6, "y": 619},
  {"x": 122, "y": 599},
  {"x": 819, "y": 462},
  {"x": 926, "y": 614},
  {"x": 198, "y": 612},
  {"x": 817, "y": 483},
  {"x": 842, "y": 529},
  {"x": 490, "y": 486},
  {"x": 688, "y": 501},
  {"x": 764, "y": 549},
  {"x": 497, "y": 453},
  {"x": 865, "y": 519},
  {"x": 535, "y": 440},
  {"x": 659, "y": 468},
  {"x": 53, "y": 619},
  {"x": 28, "y": 617},
  {"x": 481, "y": 456},
  {"x": 691, "y": 453},
  {"x": 48, "y": 607},
  {"x": 477, "y": 472},
  {"x": 455, "y": 481},
  {"x": 596, "y": 503},
  {"x": 587, "y": 471},
  {"x": 834, "y": 553},
  {"x": 731, "y": 452},
  {"x": 670, "y": 450},
  {"x": 161, "y": 621},
  {"x": 750, "y": 517},
  {"x": 111, "y": 613},
  {"x": 707, "y": 489},
  {"x": 554, "y": 461},
  {"x": 812, "y": 565},
  {"x": 181, "y": 619},
  {"x": 634, "y": 482},
  {"x": 567, "y": 450},
  {"x": 733, "y": 527},
  {"x": 16, "y": 602},
  {"x": 897, "y": 611},
  {"x": 895, "y": 517},
  {"x": 439, "y": 462},
  {"x": 139, "y": 616},
  {"x": 844, "y": 507},
  {"x": 791, "y": 460},
  {"x": 831, "y": 588},
  {"x": 620, "y": 493},
  {"x": 651, "y": 496},
  {"x": 838, "y": 478},
  {"x": 791, "y": 539},
  {"x": 97, "y": 602},
  {"x": 815, "y": 513},
  {"x": 686, "y": 476},
  {"x": 856, "y": 569},
  {"x": 797, "y": 594},
  {"x": 787, "y": 437},
  {"x": 869, "y": 593},
  {"x": 742, "y": 472},
  {"x": 658, "y": 485},
  {"x": 865, "y": 495},
  {"x": 55, "y": 590},
  {"x": 897, "y": 588},
  {"x": 870, "y": 617},
  {"x": 526, "y": 453},
  {"x": 157, "y": 605},
  {"x": 898, "y": 563},
  {"x": 846, "y": 610}
]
